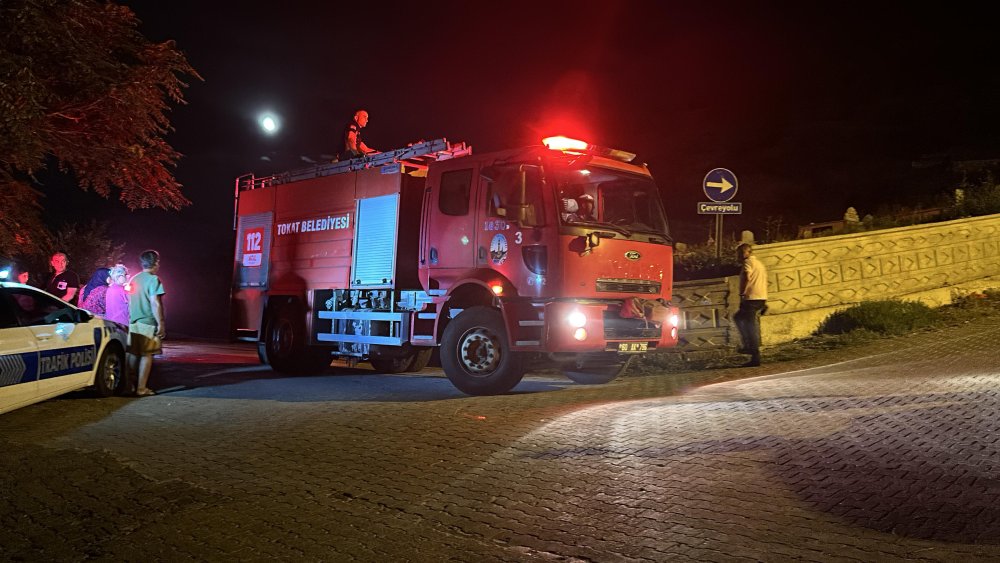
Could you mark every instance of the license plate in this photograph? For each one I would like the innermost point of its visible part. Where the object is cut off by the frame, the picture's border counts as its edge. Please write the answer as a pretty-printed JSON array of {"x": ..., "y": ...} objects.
[{"x": 632, "y": 347}]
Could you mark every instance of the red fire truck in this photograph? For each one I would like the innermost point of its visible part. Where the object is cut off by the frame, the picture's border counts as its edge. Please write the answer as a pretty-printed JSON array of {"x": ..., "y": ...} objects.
[{"x": 556, "y": 254}]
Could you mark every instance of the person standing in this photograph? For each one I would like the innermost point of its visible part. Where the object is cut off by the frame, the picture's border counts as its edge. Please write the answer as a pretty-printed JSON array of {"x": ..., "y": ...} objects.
[
  {"x": 19, "y": 274},
  {"x": 353, "y": 145},
  {"x": 585, "y": 210},
  {"x": 92, "y": 298},
  {"x": 146, "y": 326},
  {"x": 64, "y": 283},
  {"x": 753, "y": 302},
  {"x": 116, "y": 300}
]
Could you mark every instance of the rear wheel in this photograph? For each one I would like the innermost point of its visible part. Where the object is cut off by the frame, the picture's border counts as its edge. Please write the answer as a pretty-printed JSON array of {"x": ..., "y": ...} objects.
[
  {"x": 476, "y": 355},
  {"x": 286, "y": 347},
  {"x": 598, "y": 371},
  {"x": 413, "y": 359},
  {"x": 110, "y": 372},
  {"x": 421, "y": 357},
  {"x": 391, "y": 365}
]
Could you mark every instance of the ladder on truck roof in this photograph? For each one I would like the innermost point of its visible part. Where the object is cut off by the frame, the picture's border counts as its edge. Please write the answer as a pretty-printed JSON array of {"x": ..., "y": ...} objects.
[{"x": 417, "y": 155}]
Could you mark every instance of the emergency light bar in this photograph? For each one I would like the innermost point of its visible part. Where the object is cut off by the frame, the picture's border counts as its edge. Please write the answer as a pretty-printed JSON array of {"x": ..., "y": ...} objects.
[
  {"x": 565, "y": 144},
  {"x": 4, "y": 273},
  {"x": 561, "y": 143}
]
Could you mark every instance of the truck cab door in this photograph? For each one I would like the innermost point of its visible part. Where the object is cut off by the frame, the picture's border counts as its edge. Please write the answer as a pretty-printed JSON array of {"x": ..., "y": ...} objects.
[
  {"x": 448, "y": 248},
  {"x": 512, "y": 238}
]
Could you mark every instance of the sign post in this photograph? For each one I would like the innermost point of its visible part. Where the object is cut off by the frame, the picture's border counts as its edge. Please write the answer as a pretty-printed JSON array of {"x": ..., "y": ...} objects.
[{"x": 719, "y": 185}]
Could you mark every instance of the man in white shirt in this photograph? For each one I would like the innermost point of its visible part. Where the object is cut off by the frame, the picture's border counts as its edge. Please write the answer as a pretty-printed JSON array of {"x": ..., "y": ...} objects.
[{"x": 753, "y": 302}]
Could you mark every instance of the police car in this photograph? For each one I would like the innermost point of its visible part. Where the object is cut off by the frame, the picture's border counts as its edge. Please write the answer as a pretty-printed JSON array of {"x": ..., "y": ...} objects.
[{"x": 48, "y": 347}]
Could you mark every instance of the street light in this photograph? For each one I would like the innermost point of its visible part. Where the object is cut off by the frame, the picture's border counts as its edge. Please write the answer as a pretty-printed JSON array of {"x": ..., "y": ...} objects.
[{"x": 269, "y": 123}]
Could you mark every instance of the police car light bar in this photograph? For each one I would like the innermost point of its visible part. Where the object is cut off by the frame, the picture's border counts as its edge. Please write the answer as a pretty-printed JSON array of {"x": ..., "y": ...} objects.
[
  {"x": 4, "y": 273},
  {"x": 565, "y": 144}
]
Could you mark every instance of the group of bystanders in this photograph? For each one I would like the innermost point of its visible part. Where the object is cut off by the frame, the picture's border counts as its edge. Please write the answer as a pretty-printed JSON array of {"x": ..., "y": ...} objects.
[{"x": 134, "y": 302}]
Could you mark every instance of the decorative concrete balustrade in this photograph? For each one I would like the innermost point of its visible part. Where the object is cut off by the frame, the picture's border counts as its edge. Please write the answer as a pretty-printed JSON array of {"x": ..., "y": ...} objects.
[{"x": 810, "y": 279}]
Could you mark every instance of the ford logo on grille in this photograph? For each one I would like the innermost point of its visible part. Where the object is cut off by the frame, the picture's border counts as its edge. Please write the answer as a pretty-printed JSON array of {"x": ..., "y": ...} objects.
[{"x": 633, "y": 255}]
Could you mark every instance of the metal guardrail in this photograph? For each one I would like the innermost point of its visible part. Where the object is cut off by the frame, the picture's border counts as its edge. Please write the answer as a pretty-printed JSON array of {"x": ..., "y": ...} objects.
[{"x": 417, "y": 155}]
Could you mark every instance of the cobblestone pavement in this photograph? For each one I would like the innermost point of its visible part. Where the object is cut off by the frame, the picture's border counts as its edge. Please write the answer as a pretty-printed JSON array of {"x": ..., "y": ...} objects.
[{"x": 888, "y": 452}]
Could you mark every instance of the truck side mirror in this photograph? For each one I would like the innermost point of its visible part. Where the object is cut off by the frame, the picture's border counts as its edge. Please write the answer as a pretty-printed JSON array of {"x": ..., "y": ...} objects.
[{"x": 590, "y": 242}]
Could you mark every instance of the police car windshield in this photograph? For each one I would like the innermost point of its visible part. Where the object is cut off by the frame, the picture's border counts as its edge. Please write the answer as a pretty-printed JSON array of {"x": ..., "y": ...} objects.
[{"x": 596, "y": 196}]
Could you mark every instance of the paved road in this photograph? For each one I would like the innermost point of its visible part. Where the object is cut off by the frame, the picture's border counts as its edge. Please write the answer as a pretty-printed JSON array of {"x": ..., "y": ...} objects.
[{"x": 887, "y": 453}]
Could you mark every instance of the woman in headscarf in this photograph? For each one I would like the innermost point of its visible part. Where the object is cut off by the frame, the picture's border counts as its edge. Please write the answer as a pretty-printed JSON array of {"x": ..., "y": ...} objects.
[
  {"x": 94, "y": 293},
  {"x": 116, "y": 301}
]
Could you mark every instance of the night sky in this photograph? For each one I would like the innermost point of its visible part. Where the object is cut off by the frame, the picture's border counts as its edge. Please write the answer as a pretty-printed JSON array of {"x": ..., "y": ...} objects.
[{"x": 815, "y": 107}]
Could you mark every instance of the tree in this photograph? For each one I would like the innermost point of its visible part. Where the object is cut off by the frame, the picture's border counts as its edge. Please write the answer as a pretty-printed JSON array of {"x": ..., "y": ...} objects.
[
  {"x": 83, "y": 92},
  {"x": 22, "y": 232},
  {"x": 88, "y": 246}
]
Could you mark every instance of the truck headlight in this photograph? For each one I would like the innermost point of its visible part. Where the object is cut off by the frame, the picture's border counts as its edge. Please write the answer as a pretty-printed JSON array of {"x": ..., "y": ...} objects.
[{"x": 576, "y": 319}]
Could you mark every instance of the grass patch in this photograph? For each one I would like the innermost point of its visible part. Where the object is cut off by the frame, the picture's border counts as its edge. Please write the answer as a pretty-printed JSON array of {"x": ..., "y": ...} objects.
[
  {"x": 971, "y": 307},
  {"x": 887, "y": 317}
]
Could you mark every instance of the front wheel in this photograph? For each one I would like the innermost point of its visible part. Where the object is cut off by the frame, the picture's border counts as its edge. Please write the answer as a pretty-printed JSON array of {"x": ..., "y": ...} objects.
[
  {"x": 476, "y": 354},
  {"x": 597, "y": 373},
  {"x": 110, "y": 373}
]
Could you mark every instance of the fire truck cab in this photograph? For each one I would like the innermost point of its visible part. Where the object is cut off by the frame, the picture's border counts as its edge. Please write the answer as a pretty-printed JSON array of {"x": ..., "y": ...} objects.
[{"x": 550, "y": 255}]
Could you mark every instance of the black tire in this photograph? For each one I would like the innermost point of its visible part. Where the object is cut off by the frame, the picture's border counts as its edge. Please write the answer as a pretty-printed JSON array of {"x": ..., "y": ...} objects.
[
  {"x": 390, "y": 364},
  {"x": 413, "y": 359},
  {"x": 599, "y": 372},
  {"x": 286, "y": 345},
  {"x": 110, "y": 375},
  {"x": 421, "y": 358},
  {"x": 476, "y": 355}
]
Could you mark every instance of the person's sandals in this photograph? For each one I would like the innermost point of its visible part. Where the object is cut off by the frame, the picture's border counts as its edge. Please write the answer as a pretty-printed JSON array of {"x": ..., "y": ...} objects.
[{"x": 145, "y": 392}]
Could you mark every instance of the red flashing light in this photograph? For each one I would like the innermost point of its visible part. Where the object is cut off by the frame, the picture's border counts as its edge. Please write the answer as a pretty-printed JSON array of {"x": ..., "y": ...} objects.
[
  {"x": 566, "y": 144},
  {"x": 561, "y": 143}
]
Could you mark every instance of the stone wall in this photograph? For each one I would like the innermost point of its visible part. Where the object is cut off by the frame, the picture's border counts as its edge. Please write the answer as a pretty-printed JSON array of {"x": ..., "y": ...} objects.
[
  {"x": 810, "y": 279},
  {"x": 707, "y": 307}
]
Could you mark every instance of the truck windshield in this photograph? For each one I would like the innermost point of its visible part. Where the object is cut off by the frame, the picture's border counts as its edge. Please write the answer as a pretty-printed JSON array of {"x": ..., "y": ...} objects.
[{"x": 603, "y": 197}]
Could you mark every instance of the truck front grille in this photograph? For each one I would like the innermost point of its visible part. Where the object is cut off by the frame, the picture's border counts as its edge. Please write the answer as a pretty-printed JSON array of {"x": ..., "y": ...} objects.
[
  {"x": 616, "y": 328},
  {"x": 614, "y": 285}
]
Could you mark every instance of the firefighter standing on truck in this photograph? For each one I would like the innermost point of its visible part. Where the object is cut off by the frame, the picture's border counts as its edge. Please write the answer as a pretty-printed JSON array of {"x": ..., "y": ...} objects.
[{"x": 353, "y": 145}]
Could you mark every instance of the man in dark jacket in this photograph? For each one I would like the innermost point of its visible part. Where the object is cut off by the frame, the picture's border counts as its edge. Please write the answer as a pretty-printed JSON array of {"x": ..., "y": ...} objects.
[
  {"x": 64, "y": 283},
  {"x": 353, "y": 145}
]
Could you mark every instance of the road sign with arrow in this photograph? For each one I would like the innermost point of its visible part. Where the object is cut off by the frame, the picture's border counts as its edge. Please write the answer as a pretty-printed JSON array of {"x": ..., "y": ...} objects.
[{"x": 720, "y": 185}]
